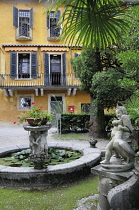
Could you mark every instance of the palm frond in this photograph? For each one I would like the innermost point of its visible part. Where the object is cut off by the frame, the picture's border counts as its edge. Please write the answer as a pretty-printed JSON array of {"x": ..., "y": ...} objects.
[{"x": 91, "y": 22}]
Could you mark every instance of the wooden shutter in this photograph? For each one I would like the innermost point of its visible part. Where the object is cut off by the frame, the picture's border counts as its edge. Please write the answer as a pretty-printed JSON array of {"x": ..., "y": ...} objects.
[
  {"x": 13, "y": 64},
  {"x": 15, "y": 17},
  {"x": 34, "y": 65},
  {"x": 64, "y": 68},
  {"x": 48, "y": 24},
  {"x": 46, "y": 69},
  {"x": 76, "y": 55},
  {"x": 31, "y": 17},
  {"x": 57, "y": 19},
  {"x": 57, "y": 16}
]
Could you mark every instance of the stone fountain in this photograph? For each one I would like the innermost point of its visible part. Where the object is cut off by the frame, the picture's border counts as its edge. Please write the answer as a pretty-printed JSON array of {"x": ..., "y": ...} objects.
[
  {"x": 39, "y": 176},
  {"x": 38, "y": 144}
]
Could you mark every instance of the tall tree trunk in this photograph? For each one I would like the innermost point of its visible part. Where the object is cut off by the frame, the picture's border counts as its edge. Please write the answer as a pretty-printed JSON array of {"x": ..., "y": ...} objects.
[
  {"x": 97, "y": 119},
  {"x": 97, "y": 122}
]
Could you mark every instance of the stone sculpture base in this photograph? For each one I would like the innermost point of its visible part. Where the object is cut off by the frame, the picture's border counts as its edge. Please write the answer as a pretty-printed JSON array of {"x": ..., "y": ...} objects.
[
  {"x": 117, "y": 165},
  {"x": 38, "y": 160},
  {"x": 126, "y": 196},
  {"x": 107, "y": 181}
]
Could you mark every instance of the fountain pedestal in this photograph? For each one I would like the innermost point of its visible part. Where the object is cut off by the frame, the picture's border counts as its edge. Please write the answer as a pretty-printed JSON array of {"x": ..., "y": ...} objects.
[
  {"x": 38, "y": 144},
  {"x": 107, "y": 181}
]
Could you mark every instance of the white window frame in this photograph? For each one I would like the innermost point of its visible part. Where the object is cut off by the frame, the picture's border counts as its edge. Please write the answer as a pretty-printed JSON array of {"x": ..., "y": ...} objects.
[
  {"x": 57, "y": 37},
  {"x": 24, "y": 95},
  {"x": 50, "y": 63},
  {"x": 21, "y": 37},
  {"x": 55, "y": 95},
  {"x": 17, "y": 70}
]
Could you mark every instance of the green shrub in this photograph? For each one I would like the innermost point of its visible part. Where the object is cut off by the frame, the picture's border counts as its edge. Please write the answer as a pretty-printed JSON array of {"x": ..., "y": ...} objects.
[
  {"x": 74, "y": 123},
  {"x": 108, "y": 121},
  {"x": 80, "y": 122}
]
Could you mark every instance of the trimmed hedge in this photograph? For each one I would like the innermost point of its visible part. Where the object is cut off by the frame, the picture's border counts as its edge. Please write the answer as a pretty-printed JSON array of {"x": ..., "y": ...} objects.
[
  {"x": 80, "y": 122},
  {"x": 74, "y": 123}
]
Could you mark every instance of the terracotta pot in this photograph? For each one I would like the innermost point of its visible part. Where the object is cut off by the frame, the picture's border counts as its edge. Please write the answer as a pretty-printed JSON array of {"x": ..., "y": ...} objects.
[{"x": 36, "y": 122}]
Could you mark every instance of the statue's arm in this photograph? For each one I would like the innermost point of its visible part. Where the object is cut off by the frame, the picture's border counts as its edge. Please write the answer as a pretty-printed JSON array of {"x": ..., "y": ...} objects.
[
  {"x": 126, "y": 126},
  {"x": 116, "y": 122}
]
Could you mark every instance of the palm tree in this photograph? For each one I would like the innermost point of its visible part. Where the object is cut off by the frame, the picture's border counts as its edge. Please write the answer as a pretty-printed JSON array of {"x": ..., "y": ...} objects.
[{"x": 96, "y": 24}]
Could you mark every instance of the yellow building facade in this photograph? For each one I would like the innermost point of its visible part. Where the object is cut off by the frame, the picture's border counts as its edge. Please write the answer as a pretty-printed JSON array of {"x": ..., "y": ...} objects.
[{"x": 34, "y": 62}]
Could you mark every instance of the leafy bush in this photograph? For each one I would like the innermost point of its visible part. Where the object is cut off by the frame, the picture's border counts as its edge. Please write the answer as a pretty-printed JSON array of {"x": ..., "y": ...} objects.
[
  {"x": 133, "y": 110},
  {"x": 74, "y": 123},
  {"x": 80, "y": 122},
  {"x": 108, "y": 121}
]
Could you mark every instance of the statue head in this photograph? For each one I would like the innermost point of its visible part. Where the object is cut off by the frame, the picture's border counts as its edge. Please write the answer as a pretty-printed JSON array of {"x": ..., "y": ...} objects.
[{"x": 120, "y": 110}]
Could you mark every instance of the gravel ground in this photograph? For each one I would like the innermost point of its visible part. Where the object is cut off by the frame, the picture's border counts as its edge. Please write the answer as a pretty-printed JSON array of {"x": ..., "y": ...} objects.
[
  {"x": 11, "y": 134},
  {"x": 15, "y": 134}
]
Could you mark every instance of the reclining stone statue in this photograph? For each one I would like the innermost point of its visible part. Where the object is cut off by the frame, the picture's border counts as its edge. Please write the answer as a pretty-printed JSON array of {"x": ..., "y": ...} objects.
[{"x": 120, "y": 136}]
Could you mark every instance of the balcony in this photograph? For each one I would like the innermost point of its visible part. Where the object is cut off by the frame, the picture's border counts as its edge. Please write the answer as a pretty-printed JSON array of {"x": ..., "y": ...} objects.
[{"x": 54, "y": 80}]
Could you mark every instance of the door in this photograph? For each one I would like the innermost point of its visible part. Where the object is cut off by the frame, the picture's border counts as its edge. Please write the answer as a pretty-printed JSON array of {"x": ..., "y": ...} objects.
[
  {"x": 56, "y": 107},
  {"x": 55, "y": 69}
]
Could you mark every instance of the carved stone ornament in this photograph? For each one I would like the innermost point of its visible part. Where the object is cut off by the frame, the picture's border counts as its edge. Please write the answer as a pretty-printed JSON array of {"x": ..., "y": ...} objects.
[
  {"x": 119, "y": 155},
  {"x": 38, "y": 144}
]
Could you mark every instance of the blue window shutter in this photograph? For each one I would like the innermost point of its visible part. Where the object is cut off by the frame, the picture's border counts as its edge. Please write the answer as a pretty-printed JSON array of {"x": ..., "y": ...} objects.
[
  {"x": 13, "y": 64},
  {"x": 46, "y": 69},
  {"x": 34, "y": 65},
  {"x": 76, "y": 55},
  {"x": 64, "y": 68},
  {"x": 57, "y": 15},
  {"x": 15, "y": 17},
  {"x": 57, "y": 19},
  {"x": 48, "y": 25},
  {"x": 31, "y": 17}
]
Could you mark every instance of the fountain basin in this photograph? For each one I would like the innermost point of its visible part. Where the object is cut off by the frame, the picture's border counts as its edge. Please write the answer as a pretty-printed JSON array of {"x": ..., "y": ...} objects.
[{"x": 53, "y": 175}]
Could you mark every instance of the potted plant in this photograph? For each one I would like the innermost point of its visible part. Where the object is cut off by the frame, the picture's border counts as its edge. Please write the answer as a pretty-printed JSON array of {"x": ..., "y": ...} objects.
[{"x": 35, "y": 116}]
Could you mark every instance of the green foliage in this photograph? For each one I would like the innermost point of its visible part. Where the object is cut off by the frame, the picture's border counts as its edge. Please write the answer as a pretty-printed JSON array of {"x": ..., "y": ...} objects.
[
  {"x": 35, "y": 113},
  {"x": 129, "y": 38},
  {"x": 55, "y": 157},
  {"x": 85, "y": 67},
  {"x": 106, "y": 89},
  {"x": 129, "y": 56},
  {"x": 91, "y": 23},
  {"x": 100, "y": 75},
  {"x": 133, "y": 109},
  {"x": 108, "y": 121},
  {"x": 74, "y": 123},
  {"x": 130, "y": 63}
]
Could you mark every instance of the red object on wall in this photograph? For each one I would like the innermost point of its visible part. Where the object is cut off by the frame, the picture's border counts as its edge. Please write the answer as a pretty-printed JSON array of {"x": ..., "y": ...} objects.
[{"x": 71, "y": 109}]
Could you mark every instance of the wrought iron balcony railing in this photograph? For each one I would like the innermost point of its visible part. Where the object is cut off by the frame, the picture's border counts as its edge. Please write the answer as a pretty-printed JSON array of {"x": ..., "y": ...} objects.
[{"x": 53, "y": 80}]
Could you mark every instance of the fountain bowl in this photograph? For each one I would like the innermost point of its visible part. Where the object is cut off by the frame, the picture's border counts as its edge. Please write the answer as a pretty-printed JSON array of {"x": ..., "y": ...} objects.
[{"x": 54, "y": 174}]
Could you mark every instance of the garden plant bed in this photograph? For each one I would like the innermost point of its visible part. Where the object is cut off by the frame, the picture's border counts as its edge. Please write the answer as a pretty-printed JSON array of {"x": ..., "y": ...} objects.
[{"x": 56, "y": 156}]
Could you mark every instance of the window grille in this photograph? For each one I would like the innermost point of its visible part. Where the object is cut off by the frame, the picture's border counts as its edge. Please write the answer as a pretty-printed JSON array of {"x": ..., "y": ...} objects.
[
  {"x": 54, "y": 28},
  {"x": 25, "y": 102},
  {"x": 24, "y": 65},
  {"x": 55, "y": 69},
  {"x": 24, "y": 13},
  {"x": 85, "y": 108},
  {"x": 24, "y": 23},
  {"x": 52, "y": 15}
]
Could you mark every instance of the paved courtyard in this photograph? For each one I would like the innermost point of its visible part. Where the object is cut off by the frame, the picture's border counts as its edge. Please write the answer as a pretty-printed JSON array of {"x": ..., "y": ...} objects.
[{"x": 11, "y": 135}]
